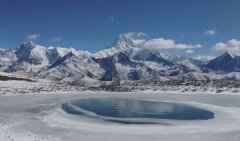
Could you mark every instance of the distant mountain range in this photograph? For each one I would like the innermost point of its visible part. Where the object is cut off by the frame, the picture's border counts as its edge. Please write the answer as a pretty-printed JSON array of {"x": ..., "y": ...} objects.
[{"x": 126, "y": 60}]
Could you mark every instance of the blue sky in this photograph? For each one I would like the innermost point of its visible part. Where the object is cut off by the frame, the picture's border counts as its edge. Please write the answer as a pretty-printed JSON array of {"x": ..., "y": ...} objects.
[{"x": 94, "y": 24}]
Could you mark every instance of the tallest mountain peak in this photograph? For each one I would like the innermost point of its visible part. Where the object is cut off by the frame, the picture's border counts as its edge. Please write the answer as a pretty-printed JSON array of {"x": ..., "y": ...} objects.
[
  {"x": 122, "y": 43},
  {"x": 131, "y": 39}
]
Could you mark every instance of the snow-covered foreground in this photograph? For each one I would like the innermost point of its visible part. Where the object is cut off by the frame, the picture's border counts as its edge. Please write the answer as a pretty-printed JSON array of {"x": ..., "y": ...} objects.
[
  {"x": 40, "y": 118},
  {"x": 14, "y": 87}
]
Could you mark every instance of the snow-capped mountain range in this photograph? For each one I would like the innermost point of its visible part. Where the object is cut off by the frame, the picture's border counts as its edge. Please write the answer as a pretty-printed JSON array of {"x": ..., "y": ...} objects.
[{"x": 126, "y": 60}]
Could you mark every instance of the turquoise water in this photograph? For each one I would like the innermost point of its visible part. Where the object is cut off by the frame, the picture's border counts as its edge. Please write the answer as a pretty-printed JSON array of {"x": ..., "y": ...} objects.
[{"x": 116, "y": 108}]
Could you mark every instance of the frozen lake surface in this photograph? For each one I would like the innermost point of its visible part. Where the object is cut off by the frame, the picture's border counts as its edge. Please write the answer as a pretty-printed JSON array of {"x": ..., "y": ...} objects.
[
  {"x": 134, "y": 111},
  {"x": 42, "y": 117}
]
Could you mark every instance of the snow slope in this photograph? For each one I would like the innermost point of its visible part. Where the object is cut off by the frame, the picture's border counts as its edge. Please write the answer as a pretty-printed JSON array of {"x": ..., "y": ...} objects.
[{"x": 31, "y": 118}]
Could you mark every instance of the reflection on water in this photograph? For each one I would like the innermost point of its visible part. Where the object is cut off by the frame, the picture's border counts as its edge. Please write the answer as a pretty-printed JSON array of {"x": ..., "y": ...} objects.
[{"x": 130, "y": 108}]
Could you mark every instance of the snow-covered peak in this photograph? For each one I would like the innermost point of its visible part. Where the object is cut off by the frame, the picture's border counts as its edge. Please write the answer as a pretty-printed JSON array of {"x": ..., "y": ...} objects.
[
  {"x": 73, "y": 67},
  {"x": 124, "y": 42},
  {"x": 131, "y": 39},
  {"x": 32, "y": 53},
  {"x": 29, "y": 44},
  {"x": 61, "y": 51}
]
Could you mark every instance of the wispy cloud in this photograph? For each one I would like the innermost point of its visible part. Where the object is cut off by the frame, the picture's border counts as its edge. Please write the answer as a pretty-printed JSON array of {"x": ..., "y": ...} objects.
[
  {"x": 204, "y": 57},
  {"x": 162, "y": 43},
  {"x": 210, "y": 32},
  {"x": 33, "y": 36},
  {"x": 190, "y": 51},
  {"x": 231, "y": 46}
]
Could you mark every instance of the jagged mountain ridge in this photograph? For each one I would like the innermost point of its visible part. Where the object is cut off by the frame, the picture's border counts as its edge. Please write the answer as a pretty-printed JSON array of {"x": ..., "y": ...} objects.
[{"x": 126, "y": 60}]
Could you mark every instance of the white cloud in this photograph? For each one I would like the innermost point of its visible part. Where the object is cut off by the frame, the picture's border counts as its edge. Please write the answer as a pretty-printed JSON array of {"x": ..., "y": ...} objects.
[
  {"x": 190, "y": 51},
  {"x": 134, "y": 35},
  {"x": 162, "y": 43},
  {"x": 204, "y": 57},
  {"x": 33, "y": 36},
  {"x": 210, "y": 32},
  {"x": 231, "y": 46}
]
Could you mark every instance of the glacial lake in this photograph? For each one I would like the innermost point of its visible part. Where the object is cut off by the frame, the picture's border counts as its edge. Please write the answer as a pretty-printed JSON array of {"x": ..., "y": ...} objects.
[{"x": 134, "y": 111}]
